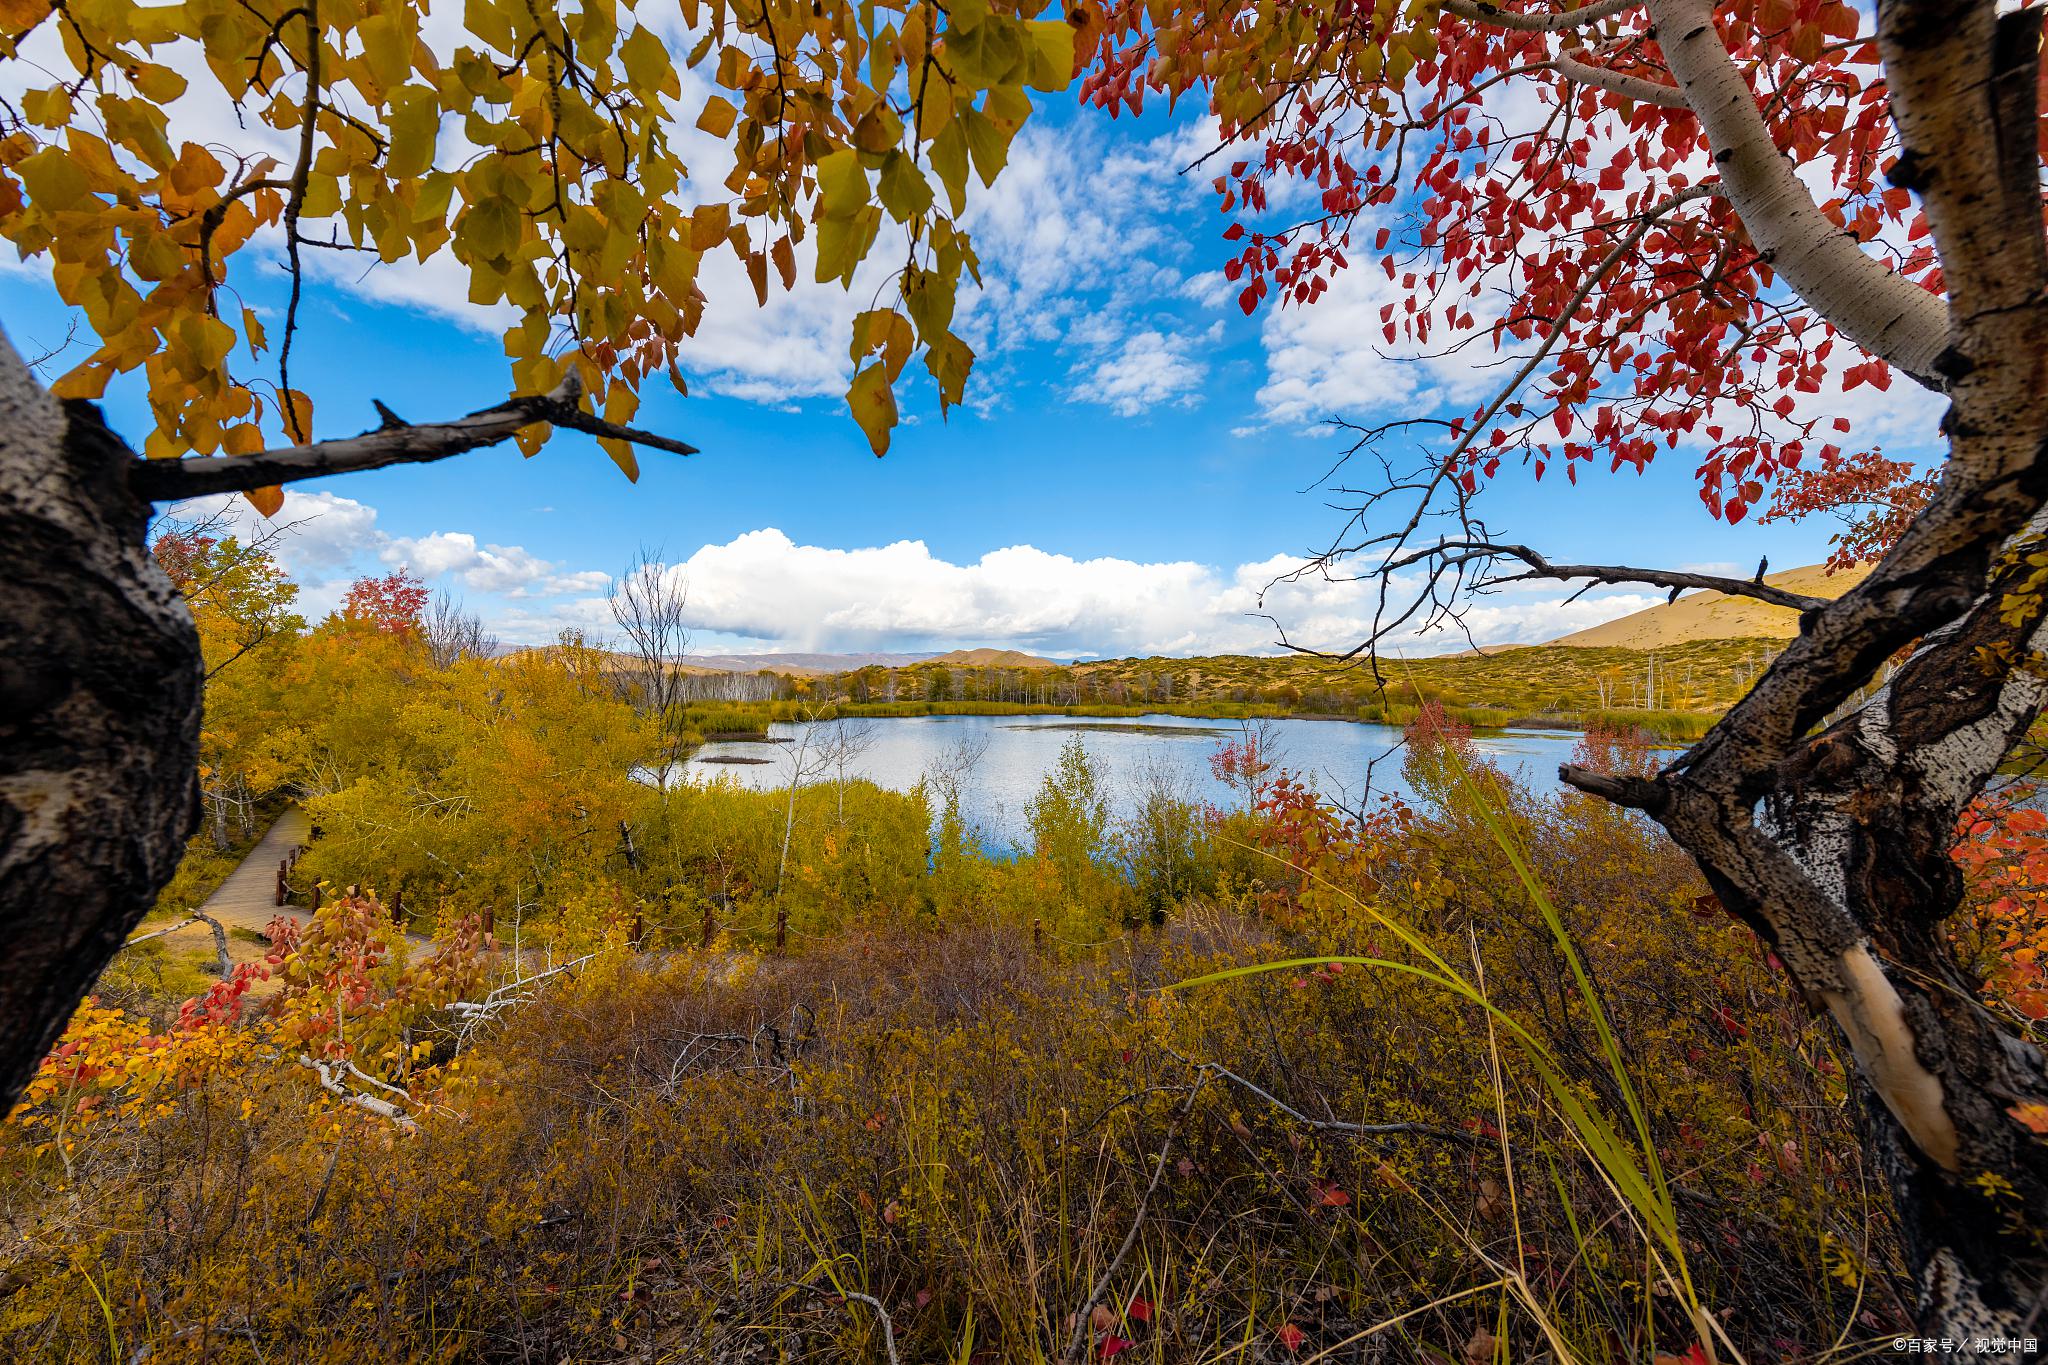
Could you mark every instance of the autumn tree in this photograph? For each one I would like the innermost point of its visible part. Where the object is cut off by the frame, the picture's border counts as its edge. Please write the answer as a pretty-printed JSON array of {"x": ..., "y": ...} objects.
[
  {"x": 1679, "y": 225},
  {"x": 541, "y": 150},
  {"x": 394, "y": 604}
]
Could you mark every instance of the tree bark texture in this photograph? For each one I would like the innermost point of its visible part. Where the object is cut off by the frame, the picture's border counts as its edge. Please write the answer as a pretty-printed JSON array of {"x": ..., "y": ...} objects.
[
  {"x": 1834, "y": 840},
  {"x": 99, "y": 714}
]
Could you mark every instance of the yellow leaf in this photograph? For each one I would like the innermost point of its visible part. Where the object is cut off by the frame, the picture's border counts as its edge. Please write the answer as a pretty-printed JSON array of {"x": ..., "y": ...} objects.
[
  {"x": 949, "y": 159},
  {"x": 490, "y": 228},
  {"x": 843, "y": 242},
  {"x": 949, "y": 359},
  {"x": 86, "y": 381},
  {"x": 415, "y": 126},
  {"x": 47, "y": 108},
  {"x": 718, "y": 116},
  {"x": 55, "y": 180},
  {"x": 387, "y": 45},
  {"x": 246, "y": 439},
  {"x": 158, "y": 83},
  {"x": 647, "y": 65},
  {"x": 708, "y": 224},
  {"x": 873, "y": 405},
  {"x": 1052, "y": 43},
  {"x": 268, "y": 501},
  {"x": 842, "y": 186},
  {"x": 904, "y": 190}
]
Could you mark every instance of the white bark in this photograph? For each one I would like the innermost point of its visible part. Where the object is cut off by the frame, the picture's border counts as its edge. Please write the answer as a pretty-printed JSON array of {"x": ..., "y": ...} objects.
[{"x": 1883, "y": 312}]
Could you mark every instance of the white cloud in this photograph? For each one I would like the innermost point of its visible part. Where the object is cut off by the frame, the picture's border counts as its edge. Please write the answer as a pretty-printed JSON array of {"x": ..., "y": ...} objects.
[
  {"x": 324, "y": 541},
  {"x": 762, "y": 586},
  {"x": 766, "y": 591},
  {"x": 1143, "y": 371},
  {"x": 507, "y": 570},
  {"x": 1331, "y": 358}
]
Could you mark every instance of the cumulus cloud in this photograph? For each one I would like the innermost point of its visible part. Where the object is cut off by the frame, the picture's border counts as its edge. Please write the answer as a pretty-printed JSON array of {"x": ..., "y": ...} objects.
[
  {"x": 1136, "y": 373},
  {"x": 764, "y": 590},
  {"x": 324, "y": 540},
  {"x": 762, "y": 586},
  {"x": 508, "y": 570}
]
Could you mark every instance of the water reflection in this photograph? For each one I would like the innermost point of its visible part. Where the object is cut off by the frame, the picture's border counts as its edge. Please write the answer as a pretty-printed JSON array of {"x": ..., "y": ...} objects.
[{"x": 1015, "y": 753}]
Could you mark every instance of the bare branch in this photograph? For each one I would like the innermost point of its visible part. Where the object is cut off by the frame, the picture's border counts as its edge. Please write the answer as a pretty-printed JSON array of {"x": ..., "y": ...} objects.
[
  {"x": 223, "y": 962},
  {"x": 330, "y": 1080},
  {"x": 1079, "y": 1339},
  {"x": 172, "y": 480},
  {"x": 1469, "y": 551},
  {"x": 1559, "y": 21}
]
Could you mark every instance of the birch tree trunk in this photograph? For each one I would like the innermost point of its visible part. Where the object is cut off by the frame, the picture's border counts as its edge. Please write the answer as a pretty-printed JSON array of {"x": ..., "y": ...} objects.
[{"x": 1833, "y": 840}]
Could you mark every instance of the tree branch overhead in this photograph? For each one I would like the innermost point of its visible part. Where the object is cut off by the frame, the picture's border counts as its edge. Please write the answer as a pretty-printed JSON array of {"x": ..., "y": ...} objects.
[{"x": 394, "y": 442}]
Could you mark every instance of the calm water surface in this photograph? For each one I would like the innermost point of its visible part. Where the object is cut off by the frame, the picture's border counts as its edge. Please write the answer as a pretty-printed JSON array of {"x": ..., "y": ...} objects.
[{"x": 1333, "y": 755}]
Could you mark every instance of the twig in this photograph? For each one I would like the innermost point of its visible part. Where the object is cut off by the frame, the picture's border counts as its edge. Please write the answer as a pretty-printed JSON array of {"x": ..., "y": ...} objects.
[
  {"x": 1079, "y": 1339},
  {"x": 220, "y": 938},
  {"x": 1338, "y": 1125},
  {"x": 881, "y": 1313}
]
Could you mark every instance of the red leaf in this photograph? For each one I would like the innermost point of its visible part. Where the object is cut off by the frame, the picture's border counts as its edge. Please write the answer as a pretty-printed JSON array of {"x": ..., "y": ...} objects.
[
  {"x": 1140, "y": 1310},
  {"x": 1291, "y": 1337},
  {"x": 1114, "y": 1346},
  {"x": 1329, "y": 1196}
]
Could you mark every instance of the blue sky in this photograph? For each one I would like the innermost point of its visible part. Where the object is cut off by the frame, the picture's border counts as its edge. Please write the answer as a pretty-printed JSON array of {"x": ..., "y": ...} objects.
[{"x": 1130, "y": 468}]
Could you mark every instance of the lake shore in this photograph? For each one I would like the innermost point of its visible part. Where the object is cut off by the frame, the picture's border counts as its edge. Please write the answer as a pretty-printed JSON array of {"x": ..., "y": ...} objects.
[{"x": 1668, "y": 727}]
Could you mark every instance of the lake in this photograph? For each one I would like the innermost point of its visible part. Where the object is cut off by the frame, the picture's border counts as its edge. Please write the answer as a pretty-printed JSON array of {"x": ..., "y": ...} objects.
[{"x": 1017, "y": 752}]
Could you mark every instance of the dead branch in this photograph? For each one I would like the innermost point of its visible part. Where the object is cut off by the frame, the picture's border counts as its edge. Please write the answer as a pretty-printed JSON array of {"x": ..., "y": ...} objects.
[
  {"x": 1364, "y": 1130},
  {"x": 224, "y": 963},
  {"x": 174, "y": 480},
  {"x": 881, "y": 1313},
  {"x": 330, "y": 1080},
  {"x": 1479, "y": 552}
]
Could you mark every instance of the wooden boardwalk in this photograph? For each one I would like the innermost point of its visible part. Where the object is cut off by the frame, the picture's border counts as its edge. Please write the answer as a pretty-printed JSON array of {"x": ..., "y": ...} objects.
[{"x": 248, "y": 898}]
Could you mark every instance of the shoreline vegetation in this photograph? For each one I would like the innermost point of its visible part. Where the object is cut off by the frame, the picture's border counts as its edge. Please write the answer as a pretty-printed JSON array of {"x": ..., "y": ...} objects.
[{"x": 1672, "y": 695}]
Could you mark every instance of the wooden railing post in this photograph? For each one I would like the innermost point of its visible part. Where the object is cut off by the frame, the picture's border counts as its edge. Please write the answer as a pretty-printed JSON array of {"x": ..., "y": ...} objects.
[{"x": 283, "y": 890}]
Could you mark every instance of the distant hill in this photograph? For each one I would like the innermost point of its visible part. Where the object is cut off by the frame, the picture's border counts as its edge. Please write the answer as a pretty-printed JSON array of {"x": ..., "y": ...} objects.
[
  {"x": 800, "y": 663},
  {"x": 847, "y": 663},
  {"x": 1717, "y": 616},
  {"x": 991, "y": 658}
]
